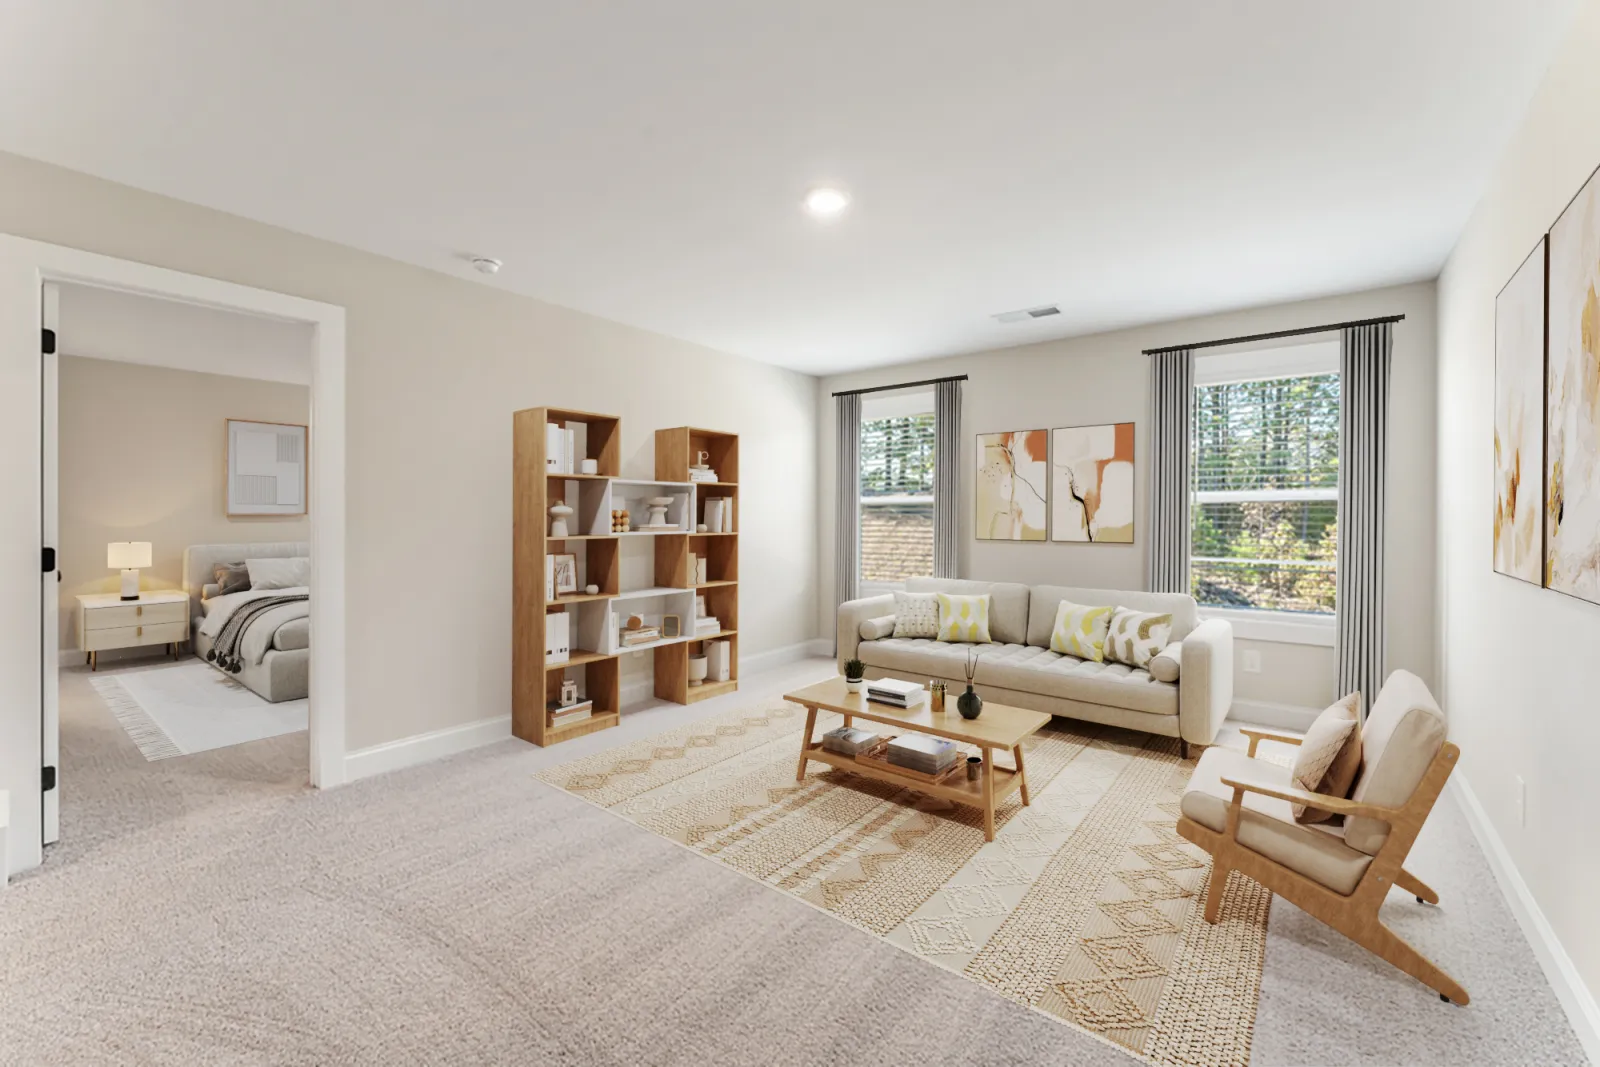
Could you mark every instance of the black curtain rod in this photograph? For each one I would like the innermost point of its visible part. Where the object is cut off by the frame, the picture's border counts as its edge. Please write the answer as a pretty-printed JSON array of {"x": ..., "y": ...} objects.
[
  {"x": 1276, "y": 333},
  {"x": 902, "y": 385}
]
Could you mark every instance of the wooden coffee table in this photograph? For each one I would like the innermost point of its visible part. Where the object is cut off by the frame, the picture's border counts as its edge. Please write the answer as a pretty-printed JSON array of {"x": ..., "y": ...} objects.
[{"x": 998, "y": 727}]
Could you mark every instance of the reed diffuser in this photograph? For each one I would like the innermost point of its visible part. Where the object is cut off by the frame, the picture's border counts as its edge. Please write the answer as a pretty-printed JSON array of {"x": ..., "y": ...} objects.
[{"x": 970, "y": 704}]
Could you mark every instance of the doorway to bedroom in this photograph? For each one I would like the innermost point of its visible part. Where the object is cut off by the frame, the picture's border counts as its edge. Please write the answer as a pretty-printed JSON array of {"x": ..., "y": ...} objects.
[{"x": 182, "y": 443}]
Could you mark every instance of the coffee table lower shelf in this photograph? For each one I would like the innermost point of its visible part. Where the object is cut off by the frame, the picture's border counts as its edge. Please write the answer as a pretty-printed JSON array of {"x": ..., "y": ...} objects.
[{"x": 958, "y": 788}]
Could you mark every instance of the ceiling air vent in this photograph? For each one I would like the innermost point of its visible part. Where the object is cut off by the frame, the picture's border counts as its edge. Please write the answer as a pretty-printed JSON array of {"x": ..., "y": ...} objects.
[{"x": 1043, "y": 312}]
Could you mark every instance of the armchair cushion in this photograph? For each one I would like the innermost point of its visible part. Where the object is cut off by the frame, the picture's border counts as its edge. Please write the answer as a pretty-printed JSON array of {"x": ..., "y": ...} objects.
[
  {"x": 1328, "y": 758},
  {"x": 1266, "y": 824},
  {"x": 1404, "y": 731}
]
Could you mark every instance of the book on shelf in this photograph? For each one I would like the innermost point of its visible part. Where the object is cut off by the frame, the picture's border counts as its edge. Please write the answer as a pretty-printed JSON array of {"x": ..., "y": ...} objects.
[
  {"x": 923, "y": 752},
  {"x": 702, "y": 474},
  {"x": 555, "y": 447},
  {"x": 560, "y": 714},
  {"x": 708, "y": 625},
  {"x": 713, "y": 514},
  {"x": 549, "y": 577},
  {"x": 642, "y": 636},
  {"x": 569, "y": 452},
  {"x": 895, "y": 693},
  {"x": 848, "y": 740},
  {"x": 557, "y": 637}
]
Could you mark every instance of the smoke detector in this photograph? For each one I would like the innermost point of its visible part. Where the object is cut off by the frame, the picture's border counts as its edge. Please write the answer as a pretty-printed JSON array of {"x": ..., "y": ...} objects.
[
  {"x": 1042, "y": 312},
  {"x": 485, "y": 265}
]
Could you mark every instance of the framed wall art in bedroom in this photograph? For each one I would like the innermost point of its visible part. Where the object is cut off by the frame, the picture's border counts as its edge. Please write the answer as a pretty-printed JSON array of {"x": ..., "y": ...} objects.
[{"x": 266, "y": 468}]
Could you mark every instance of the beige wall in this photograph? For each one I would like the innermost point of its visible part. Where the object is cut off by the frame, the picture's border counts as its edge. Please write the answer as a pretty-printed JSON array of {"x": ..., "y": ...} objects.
[
  {"x": 143, "y": 458},
  {"x": 1518, "y": 664},
  {"x": 436, "y": 365},
  {"x": 1104, "y": 378}
]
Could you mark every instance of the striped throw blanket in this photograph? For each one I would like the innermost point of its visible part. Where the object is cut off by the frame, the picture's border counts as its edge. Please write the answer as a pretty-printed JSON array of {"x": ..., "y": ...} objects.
[{"x": 225, "y": 650}]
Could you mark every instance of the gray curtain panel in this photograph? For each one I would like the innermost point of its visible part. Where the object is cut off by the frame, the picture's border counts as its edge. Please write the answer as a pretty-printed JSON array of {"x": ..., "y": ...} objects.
[
  {"x": 946, "y": 478},
  {"x": 1171, "y": 409},
  {"x": 1364, "y": 353},
  {"x": 847, "y": 525}
]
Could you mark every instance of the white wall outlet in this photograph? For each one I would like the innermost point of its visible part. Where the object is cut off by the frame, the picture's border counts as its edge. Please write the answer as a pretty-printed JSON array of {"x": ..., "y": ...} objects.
[
  {"x": 1522, "y": 802},
  {"x": 1250, "y": 660}
]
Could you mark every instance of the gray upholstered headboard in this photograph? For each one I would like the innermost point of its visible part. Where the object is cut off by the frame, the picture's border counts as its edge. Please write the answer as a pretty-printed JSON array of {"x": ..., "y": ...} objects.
[{"x": 199, "y": 562}]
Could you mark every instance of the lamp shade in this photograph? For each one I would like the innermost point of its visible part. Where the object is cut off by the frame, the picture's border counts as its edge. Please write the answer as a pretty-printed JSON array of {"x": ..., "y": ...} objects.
[{"x": 126, "y": 555}]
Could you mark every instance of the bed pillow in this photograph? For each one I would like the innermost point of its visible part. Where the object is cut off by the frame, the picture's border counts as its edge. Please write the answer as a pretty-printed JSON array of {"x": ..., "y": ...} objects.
[
  {"x": 916, "y": 615},
  {"x": 964, "y": 618},
  {"x": 289, "y": 572},
  {"x": 230, "y": 578},
  {"x": 1137, "y": 637},
  {"x": 1080, "y": 631}
]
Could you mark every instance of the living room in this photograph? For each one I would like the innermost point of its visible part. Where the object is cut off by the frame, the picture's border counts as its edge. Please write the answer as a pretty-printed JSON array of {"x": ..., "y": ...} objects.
[{"x": 814, "y": 559}]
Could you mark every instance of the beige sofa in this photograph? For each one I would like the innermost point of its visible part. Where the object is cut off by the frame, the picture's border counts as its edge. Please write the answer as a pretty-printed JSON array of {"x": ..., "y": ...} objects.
[{"x": 1019, "y": 669}]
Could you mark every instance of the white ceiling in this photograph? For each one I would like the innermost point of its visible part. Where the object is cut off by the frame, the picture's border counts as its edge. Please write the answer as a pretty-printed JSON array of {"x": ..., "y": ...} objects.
[{"x": 644, "y": 160}]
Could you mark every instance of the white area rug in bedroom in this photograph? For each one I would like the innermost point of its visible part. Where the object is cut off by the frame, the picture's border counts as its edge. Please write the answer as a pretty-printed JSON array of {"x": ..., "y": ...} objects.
[{"x": 193, "y": 707}]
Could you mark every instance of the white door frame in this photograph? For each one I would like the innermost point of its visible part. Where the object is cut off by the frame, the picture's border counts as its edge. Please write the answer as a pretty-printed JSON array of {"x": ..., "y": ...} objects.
[{"x": 25, "y": 266}]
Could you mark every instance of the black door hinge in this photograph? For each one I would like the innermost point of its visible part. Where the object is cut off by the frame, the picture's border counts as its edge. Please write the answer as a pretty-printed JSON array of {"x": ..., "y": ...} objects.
[
  {"x": 48, "y": 342},
  {"x": 49, "y": 776},
  {"x": 49, "y": 560}
]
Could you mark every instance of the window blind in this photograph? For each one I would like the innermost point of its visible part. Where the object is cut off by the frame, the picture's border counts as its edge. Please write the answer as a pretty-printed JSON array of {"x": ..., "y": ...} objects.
[
  {"x": 897, "y": 465},
  {"x": 1265, "y": 471}
]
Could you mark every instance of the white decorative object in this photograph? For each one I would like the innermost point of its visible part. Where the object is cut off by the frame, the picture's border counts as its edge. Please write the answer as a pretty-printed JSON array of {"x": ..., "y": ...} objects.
[
  {"x": 569, "y": 691},
  {"x": 700, "y": 571},
  {"x": 658, "y": 510},
  {"x": 852, "y": 685},
  {"x": 555, "y": 447},
  {"x": 701, "y": 528},
  {"x": 697, "y": 670},
  {"x": 592, "y": 589},
  {"x": 591, "y": 466},
  {"x": 714, "y": 514},
  {"x": 266, "y": 468},
  {"x": 128, "y": 557},
  {"x": 559, "y": 513},
  {"x": 717, "y": 660}
]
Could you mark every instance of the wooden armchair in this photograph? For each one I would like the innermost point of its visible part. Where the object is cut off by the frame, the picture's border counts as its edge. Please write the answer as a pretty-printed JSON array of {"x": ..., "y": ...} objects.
[{"x": 1238, "y": 808}]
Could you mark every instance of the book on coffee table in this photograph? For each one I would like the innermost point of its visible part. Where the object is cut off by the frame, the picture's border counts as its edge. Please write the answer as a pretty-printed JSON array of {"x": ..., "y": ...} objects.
[
  {"x": 923, "y": 752},
  {"x": 895, "y": 693}
]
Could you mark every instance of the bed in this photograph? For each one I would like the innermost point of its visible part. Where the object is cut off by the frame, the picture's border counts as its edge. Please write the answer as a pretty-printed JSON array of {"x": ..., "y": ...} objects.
[{"x": 273, "y": 651}]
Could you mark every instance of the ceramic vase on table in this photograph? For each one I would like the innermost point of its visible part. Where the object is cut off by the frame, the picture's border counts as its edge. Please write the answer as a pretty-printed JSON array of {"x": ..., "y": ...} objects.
[
  {"x": 698, "y": 666},
  {"x": 969, "y": 704}
]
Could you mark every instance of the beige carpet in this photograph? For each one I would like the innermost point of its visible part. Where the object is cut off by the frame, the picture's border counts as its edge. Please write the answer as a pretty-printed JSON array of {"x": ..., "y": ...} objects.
[
  {"x": 210, "y": 909},
  {"x": 1086, "y": 906}
]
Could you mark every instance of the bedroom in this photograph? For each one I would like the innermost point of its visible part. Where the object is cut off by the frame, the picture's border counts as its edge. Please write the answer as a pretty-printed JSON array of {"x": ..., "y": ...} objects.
[{"x": 182, "y": 448}]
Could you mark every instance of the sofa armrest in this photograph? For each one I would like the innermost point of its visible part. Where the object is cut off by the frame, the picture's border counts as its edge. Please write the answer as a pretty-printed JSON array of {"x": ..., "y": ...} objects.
[
  {"x": 1205, "y": 685},
  {"x": 852, "y": 613}
]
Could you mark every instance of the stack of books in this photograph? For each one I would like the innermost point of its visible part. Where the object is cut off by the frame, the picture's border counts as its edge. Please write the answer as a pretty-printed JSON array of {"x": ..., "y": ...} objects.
[
  {"x": 920, "y": 752},
  {"x": 707, "y": 624},
  {"x": 849, "y": 740},
  {"x": 702, "y": 474},
  {"x": 642, "y": 636},
  {"x": 561, "y": 714},
  {"x": 719, "y": 514},
  {"x": 895, "y": 693},
  {"x": 560, "y": 450}
]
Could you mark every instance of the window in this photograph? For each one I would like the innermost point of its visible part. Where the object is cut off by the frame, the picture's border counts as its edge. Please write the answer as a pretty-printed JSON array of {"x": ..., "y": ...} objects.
[
  {"x": 897, "y": 450},
  {"x": 1265, "y": 470}
]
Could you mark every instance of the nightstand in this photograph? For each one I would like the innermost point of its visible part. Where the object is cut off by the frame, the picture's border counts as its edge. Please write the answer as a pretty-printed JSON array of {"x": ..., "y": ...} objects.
[{"x": 105, "y": 621}]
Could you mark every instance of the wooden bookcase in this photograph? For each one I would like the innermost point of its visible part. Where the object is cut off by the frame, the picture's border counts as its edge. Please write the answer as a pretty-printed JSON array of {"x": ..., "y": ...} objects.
[{"x": 594, "y": 660}]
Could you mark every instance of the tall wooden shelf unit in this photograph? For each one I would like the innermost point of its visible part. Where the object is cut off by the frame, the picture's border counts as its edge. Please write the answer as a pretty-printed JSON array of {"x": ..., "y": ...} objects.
[{"x": 595, "y": 656}]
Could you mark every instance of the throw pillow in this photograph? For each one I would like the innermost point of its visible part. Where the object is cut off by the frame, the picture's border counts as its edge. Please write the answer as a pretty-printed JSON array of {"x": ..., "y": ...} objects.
[
  {"x": 877, "y": 629},
  {"x": 1081, "y": 631},
  {"x": 1165, "y": 665},
  {"x": 916, "y": 615},
  {"x": 290, "y": 572},
  {"x": 1136, "y": 637},
  {"x": 964, "y": 618},
  {"x": 1331, "y": 739},
  {"x": 231, "y": 578}
]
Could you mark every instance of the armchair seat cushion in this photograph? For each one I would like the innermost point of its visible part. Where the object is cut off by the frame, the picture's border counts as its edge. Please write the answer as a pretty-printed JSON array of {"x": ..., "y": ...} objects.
[{"x": 1266, "y": 825}]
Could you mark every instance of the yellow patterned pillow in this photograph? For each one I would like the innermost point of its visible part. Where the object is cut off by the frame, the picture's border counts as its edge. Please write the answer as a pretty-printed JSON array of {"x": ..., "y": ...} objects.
[
  {"x": 964, "y": 618},
  {"x": 1081, "y": 631}
]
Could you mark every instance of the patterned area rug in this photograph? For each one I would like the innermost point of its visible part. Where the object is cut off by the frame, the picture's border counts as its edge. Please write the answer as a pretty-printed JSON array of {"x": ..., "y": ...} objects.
[{"x": 1086, "y": 906}]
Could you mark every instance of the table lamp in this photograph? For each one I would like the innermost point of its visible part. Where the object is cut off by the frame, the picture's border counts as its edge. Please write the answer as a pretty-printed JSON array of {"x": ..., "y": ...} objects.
[{"x": 128, "y": 557}]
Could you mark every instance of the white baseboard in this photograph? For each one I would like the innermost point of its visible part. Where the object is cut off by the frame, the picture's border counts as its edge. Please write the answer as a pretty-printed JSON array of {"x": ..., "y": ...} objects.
[
  {"x": 1559, "y": 971},
  {"x": 782, "y": 657},
  {"x": 1279, "y": 716},
  {"x": 410, "y": 751}
]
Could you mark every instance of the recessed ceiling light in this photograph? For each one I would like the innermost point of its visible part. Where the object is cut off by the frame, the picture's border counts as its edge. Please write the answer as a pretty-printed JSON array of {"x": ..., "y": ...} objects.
[
  {"x": 825, "y": 202},
  {"x": 485, "y": 264}
]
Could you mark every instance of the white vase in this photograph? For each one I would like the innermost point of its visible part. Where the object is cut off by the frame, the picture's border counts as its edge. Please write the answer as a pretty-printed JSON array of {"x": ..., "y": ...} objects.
[
  {"x": 558, "y": 520},
  {"x": 697, "y": 670},
  {"x": 658, "y": 509}
]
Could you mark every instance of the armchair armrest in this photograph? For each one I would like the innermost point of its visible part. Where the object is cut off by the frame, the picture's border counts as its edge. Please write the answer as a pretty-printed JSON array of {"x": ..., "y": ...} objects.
[
  {"x": 1205, "y": 683},
  {"x": 1242, "y": 784},
  {"x": 1258, "y": 736},
  {"x": 852, "y": 613}
]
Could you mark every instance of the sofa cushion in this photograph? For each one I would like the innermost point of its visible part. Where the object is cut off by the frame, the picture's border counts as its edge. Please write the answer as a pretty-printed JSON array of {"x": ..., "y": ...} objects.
[
  {"x": 1137, "y": 637},
  {"x": 873, "y": 629},
  {"x": 964, "y": 617},
  {"x": 916, "y": 614},
  {"x": 1042, "y": 601},
  {"x": 1403, "y": 733},
  {"x": 1167, "y": 666},
  {"x": 1266, "y": 824},
  {"x": 1081, "y": 631},
  {"x": 1008, "y": 604},
  {"x": 920, "y": 657}
]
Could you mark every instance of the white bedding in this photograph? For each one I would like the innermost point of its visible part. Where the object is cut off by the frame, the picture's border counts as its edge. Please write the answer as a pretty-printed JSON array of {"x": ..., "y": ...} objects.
[{"x": 258, "y": 638}]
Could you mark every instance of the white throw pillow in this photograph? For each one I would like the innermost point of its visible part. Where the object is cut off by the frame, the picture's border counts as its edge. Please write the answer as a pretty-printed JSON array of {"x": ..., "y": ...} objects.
[
  {"x": 916, "y": 615},
  {"x": 1166, "y": 666},
  {"x": 288, "y": 572},
  {"x": 1137, "y": 636},
  {"x": 877, "y": 629}
]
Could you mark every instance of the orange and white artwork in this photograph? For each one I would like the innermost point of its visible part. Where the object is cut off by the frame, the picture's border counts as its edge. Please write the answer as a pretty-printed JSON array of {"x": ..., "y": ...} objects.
[
  {"x": 1519, "y": 422},
  {"x": 1091, "y": 484},
  {"x": 1572, "y": 401},
  {"x": 1010, "y": 500}
]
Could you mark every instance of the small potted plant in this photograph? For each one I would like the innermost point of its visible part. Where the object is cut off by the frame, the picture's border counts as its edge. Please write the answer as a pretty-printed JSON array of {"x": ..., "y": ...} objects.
[
  {"x": 970, "y": 704},
  {"x": 854, "y": 671}
]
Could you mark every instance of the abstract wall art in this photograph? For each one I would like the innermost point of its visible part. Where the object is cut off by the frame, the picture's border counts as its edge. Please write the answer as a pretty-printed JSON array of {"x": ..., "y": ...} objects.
[
  {"x": 1519, "y": 340},
  {"x": 1011, "y": 472},
  {"x": 1572, "y": 401},
  {"x": 1091, "y": 484}
]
